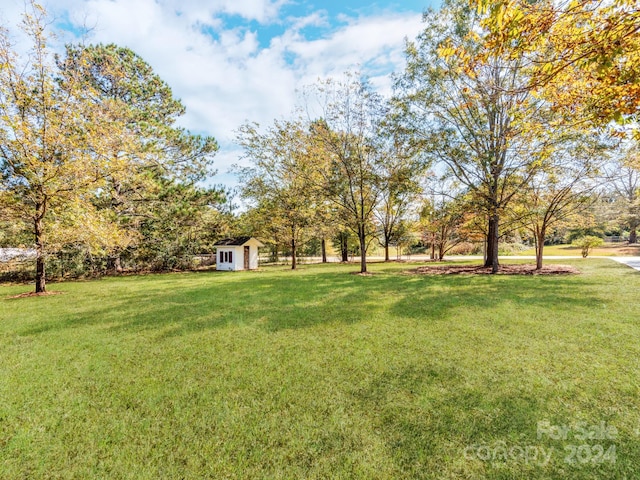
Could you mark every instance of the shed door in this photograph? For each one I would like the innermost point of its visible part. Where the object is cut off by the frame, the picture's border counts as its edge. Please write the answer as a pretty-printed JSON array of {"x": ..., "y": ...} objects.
[{"x": 246, "y": 258}]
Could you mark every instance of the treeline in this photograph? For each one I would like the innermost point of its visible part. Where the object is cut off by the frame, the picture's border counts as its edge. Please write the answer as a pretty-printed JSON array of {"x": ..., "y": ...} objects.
[
  {"x": 492, "y": 133},
  {"x": 510, "y": 120},
  {"x": 96, "y": 173}
]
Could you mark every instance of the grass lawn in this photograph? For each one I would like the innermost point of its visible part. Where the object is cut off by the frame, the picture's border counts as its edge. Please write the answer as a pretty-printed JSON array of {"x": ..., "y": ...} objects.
[
  {"x": 319, "y": 374},
  {"x": 607, "y": 250}
]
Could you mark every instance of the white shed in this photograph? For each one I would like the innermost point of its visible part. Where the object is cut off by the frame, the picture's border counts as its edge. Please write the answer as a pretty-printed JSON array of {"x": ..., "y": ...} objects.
[{"x": 239, "y": 253}]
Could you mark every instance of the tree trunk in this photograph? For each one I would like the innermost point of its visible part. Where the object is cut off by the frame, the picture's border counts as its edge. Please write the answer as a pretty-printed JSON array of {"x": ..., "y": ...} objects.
[
  {"x": 386, "y": 251},
  {"x": 344, "y": 247},
  {"x": 363, "y": 253},
  {"x": 539, "y": 248},
  {"x": 293, "y": 254},
  {"x": 484, "y": 250},
  {"x": 441, "y": 249},
  {"x": 323, "y": 244},
  {"x": 433, "y": 249},
  {"x": 492, "y": 243},
  {"x": 41, "y": 284},
  {"x": 633, "y": 234}
]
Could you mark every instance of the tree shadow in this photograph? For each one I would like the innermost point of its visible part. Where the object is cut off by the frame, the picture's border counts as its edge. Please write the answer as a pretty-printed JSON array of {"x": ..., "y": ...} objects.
[
  {"x": 436, "y": 296},
  {"x": 442, "y": 417},
  {"x": 293, "y": 301},
  {"x": 286, "y": 301},
  {"x": 427, "y": 415}
]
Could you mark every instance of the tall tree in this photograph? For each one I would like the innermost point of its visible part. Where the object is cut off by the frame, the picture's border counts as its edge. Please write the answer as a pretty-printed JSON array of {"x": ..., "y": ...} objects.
[
  {"x": 465, "y": 102},
  {"x": 582, "y": 56},
  {"x": 401, "y": 172},
  {"x": 348, "y": 135},
  {"x": 555, "y": 195},
  {"x": 279, "y": 178},
  {"x": 55, "y": 142},
  {"x": 162, "y": 156}
]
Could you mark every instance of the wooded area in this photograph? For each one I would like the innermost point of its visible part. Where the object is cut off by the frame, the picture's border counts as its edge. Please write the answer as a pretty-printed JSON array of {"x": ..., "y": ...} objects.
[{"x": 513, "y": 121}]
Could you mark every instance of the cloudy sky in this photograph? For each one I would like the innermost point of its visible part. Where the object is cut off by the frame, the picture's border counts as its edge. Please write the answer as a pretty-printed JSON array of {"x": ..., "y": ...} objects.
[{"x": 232, "y": 61}]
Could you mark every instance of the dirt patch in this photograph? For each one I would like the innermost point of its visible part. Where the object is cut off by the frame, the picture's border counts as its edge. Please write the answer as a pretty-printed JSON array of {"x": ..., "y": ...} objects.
[
  {"x": 504, "y": 270},
  {"x": 630, "y": 251},
  {"x": 34, "y": 294},
  {"x": 362, "y": 274}
]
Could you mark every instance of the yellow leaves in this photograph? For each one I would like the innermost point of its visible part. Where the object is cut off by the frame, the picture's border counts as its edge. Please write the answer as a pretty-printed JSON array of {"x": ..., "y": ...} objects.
[
  {"x": 517, "y": 15},
  {"x": 446, "y": 52},
  {"x": 482, "y": 6},
  {"x": 574, "y": 4},
  {"x": 584, "y": 54},
  {"x": 547, "y": 68},
  {"x": 58, "y": 143},
  {"x": 78, "y": 222},
  {"x": 499, "y": 12},
  {"x": 473, "y": 36}
]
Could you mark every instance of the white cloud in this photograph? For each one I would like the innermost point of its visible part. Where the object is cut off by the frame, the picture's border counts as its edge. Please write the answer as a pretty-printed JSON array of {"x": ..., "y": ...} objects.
[
  {"x": 373, "y": 40},
  {"x": 316, "y": 19},
  {"x": 259, "y": 10},
  {"x": 224, "y": 76}
]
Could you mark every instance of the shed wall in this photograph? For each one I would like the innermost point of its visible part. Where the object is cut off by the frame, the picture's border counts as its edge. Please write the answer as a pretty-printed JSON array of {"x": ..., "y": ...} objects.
[{"x": 238, "y": 258}]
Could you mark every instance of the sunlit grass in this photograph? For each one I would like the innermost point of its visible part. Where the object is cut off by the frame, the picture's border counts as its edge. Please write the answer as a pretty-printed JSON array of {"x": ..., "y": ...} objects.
[{"x": 319, "y": 374}]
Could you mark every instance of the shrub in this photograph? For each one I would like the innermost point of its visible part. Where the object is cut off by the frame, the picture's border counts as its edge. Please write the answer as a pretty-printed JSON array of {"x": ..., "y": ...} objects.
[
  {"x": 17, "y": 270},
  {"x": 511, "y": 248},
  {"x": 586, "y": 243},
  {"x": 465, "y": 248}
]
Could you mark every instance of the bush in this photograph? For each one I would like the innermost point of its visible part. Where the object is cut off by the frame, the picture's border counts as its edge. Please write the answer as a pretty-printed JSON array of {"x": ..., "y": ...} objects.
[
  {"x": 586, "y": 243},
  {"x": 417, "y": 249},
  {"x": 511, "y": 248},
  {"x": 579, "y": 233},
  {"x": 466, "y": 248},
  {"x": 17, "y": 270}
]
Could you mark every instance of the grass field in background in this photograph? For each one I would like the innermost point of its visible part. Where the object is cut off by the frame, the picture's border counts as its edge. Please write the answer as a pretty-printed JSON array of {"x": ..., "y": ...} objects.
[{"x": 321, "y": 374}]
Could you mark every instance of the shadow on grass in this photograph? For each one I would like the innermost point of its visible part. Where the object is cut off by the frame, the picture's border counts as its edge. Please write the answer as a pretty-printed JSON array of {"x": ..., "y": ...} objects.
[
  {"x": 286, "y": 301},
  {"x": 436, "y": 417},
  {"x": 430, "y": 413},
  {"x": 273, "y": 302},
  {"x": 435, "y": 296}
]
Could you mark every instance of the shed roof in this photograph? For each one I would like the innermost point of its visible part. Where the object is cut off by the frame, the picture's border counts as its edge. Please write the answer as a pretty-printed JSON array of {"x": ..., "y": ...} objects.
[{"x": 234, "y": 242}]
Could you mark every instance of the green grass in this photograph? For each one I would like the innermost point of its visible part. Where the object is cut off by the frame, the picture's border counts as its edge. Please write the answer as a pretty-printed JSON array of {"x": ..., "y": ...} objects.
[{"x": 320, "y": 374}]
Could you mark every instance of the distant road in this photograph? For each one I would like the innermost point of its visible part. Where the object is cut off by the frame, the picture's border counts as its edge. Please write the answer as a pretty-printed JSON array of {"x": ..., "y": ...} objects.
[{"x": 633, "y": 262}]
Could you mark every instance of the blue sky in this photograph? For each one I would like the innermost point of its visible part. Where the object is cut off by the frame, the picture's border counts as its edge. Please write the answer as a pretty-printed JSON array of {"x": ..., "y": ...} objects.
[
  {"x": 333, "y": 13},
  {"x": 232, "y": 61}
]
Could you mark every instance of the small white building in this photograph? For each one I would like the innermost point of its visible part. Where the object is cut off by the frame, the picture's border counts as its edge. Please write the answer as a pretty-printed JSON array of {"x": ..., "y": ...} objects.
[{"x": 239, "y": 253}]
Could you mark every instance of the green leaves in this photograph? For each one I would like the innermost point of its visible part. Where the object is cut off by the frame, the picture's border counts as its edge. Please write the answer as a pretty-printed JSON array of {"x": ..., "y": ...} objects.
[
  {"x": 86, "y": 138},
  {"x": 279, "y": 181}
]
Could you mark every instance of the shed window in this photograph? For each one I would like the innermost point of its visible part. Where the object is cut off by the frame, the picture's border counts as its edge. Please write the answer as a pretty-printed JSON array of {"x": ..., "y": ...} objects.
[{"x": 226, "y": 257}]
